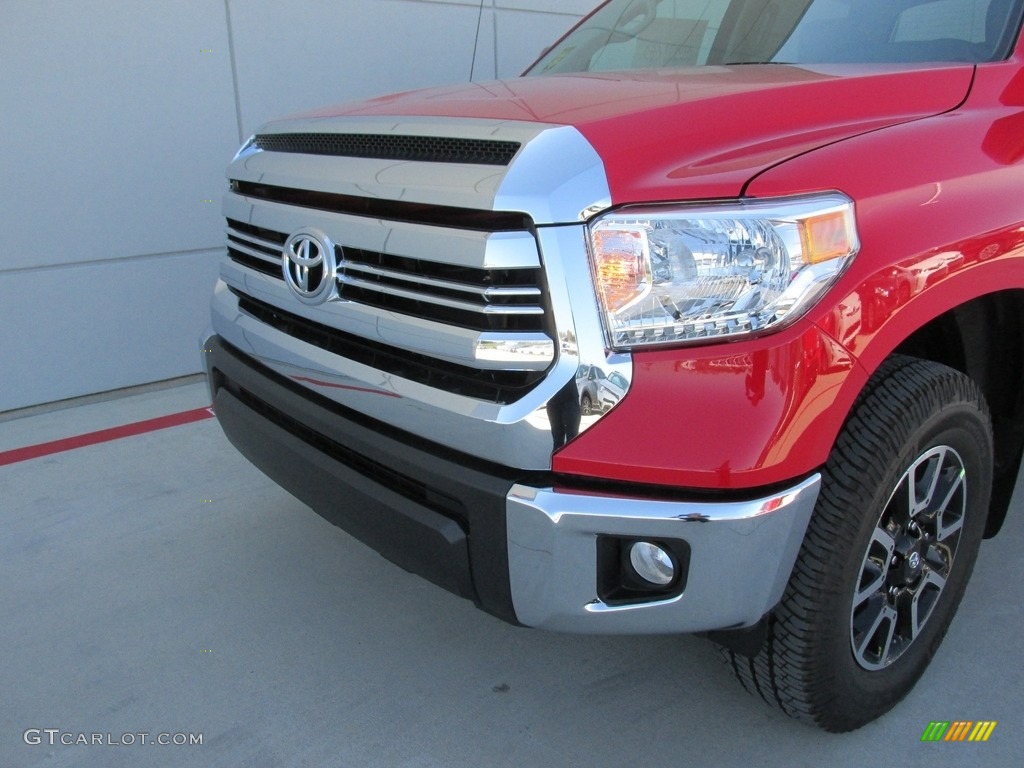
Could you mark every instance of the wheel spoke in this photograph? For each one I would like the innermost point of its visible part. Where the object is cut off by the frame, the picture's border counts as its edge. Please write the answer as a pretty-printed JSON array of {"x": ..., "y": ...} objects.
[
  {"x": 884, "y": 622},
  {"x": 924, "y": 601},
  {"x": 956, "y": 480},
  {"x": 939, "y": 559},
  {"x": 923, "y": 490},
  {"x": 950, "y": 509},
  {"x": 876, "y": 565},
  {"x": 872, "y": 587}
]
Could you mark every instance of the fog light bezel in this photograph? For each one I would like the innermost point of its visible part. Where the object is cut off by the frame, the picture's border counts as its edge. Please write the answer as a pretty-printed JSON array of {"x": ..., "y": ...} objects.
[{"x": 618, "y": 583}]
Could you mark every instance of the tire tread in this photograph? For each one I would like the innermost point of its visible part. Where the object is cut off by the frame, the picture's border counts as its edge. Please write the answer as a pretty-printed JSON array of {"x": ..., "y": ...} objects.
[{"x": 903, "y": 390}]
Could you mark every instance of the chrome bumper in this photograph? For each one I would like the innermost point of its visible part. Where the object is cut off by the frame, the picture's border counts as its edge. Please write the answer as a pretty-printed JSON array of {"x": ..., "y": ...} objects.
[{"x": 741, "y": 556}]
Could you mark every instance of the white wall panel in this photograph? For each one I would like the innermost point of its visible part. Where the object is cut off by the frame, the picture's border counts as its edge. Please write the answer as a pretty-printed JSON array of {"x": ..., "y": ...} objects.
[
  {"x": 301, "y": 55},
  {"x": 111, "y": 325},
  {"x": 116, "y": 126}
]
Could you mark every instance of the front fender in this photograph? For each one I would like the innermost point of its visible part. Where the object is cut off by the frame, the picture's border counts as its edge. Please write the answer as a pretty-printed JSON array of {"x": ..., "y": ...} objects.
[{"x": 728, "y": 416}]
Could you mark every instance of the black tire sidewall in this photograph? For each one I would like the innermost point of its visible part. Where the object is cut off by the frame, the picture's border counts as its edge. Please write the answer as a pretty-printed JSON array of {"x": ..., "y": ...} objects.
[{"x": 859, "y": 694}]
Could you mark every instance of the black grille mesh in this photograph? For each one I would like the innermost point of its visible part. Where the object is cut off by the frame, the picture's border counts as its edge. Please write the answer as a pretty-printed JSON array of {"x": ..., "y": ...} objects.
[{"x": 427, "y": 149}]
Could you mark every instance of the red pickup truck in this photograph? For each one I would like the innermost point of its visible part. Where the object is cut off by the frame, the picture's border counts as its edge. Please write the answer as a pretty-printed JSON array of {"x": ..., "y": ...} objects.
[{"x": 790, "y": 232}]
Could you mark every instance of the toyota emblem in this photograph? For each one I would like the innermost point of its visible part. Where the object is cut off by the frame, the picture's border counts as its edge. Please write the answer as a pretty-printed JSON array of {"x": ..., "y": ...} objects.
[{"x": 309, "y": 266}]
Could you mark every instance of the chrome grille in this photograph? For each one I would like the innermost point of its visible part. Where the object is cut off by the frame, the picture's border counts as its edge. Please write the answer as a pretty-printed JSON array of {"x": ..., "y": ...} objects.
[
  {"x": 480, "y": 299},
  {"x": 420, "y": 236},
  {"x": 476, "y": 323}
]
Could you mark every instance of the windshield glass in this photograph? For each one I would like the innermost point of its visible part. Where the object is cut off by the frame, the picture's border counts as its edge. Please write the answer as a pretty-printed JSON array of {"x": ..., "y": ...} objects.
[{"x": 645, "y": 34}]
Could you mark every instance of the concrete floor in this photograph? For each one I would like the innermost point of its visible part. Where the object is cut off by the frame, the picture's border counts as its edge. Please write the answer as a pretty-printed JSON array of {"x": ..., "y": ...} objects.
[{"x": 160, "y": 584}]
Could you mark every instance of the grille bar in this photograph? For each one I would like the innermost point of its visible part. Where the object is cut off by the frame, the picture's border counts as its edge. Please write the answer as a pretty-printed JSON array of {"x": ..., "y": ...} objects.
[
  {"x": 235, "y": 245},
  {"x": 489, "y": 292},
  {"x": 426, "y": 268},
  {"x": 258, "y": 265},
  {"x": 465, "y": 306},
  {"x": 271, "y": 246},
  {"x": 270, "y": 237},
  {"x": 427, "y": 149},
  {"x": 389, "y": 210}
]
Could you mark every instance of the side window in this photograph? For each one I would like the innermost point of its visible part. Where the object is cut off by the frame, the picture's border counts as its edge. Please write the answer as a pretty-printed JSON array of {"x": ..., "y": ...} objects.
[{"x": 943, "y": 20}]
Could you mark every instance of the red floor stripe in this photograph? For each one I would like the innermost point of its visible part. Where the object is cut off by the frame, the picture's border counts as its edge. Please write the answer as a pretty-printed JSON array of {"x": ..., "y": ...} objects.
[{"x": 104, "y": 435}]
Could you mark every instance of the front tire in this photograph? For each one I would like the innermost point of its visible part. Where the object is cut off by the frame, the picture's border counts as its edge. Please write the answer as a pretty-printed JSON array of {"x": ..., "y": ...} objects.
[
  {"x": 587, "y": 405},
  {"x": 887, "y": 554}
]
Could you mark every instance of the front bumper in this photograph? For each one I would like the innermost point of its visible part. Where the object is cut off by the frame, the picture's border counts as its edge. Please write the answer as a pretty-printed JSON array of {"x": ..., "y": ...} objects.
[
  {"x": 500, "y": 537},
  {"x": 741, "y": 554}
]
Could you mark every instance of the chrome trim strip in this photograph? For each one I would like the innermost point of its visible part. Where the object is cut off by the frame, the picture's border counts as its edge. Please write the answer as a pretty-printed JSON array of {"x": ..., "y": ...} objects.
[
  {"x": 254, "y": 240},
  {"x": 254, "y": 253},
  {"x": 577, "y": 318},
  {"x": 407, "y": 277},
  {"x": 515, "y": 352},
  {"x": 484, "y": 309},
  {"x": 506, "y": 250},
  {"x": 553, "y": 558}
]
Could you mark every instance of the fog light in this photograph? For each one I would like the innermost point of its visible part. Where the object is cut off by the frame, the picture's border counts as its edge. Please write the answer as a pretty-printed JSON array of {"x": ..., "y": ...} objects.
[{"x": 652, "y": 563}]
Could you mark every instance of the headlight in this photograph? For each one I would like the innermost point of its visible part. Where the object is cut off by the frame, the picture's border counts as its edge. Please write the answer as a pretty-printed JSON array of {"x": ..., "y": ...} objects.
[{"x": 667, "y": 275}]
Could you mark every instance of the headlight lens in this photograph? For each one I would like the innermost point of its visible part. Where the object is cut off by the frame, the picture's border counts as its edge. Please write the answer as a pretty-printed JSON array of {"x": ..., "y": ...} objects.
[{"x": 667, "y": 275}]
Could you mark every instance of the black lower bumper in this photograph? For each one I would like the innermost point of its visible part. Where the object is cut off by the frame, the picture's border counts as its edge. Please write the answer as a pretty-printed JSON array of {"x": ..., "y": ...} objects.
[{"x": 430, "y": 510}]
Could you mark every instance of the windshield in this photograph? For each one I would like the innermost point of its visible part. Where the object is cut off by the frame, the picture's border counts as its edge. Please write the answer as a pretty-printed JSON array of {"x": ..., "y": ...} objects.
[{"x": 645, "y": 34}]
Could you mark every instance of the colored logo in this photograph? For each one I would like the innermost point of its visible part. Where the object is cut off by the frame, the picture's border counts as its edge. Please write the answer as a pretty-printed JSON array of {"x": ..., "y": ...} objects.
[
  {"x": 309, "y": 266},
  {"x": 958, "y": 730}
]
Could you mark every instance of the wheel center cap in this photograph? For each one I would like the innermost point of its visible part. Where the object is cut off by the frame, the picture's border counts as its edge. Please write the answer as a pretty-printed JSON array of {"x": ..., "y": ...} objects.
[{"x": 914, "y": 561}]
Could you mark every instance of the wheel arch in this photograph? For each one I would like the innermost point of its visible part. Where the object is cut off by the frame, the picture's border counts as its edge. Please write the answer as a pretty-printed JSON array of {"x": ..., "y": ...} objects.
[{"x": 984, "y": 339}]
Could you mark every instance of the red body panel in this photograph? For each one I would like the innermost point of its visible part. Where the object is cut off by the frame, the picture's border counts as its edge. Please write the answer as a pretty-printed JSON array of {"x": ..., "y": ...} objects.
[
  {"x": 941, "y": 219},
  {"x": 725, "y": 416},
  {"x": 697, "y": 133}
]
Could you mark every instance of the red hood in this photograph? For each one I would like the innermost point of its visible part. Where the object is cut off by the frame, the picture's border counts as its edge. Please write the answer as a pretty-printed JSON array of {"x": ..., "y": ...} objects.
[{"x": 697, "y": 133}]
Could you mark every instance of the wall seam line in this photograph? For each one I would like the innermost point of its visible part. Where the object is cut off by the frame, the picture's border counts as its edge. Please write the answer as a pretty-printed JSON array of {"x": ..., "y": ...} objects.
[
  {"x": 234, "y": 70},
  {"x": 494, "y": 34},
  {"x": 115, "y": 260}
]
